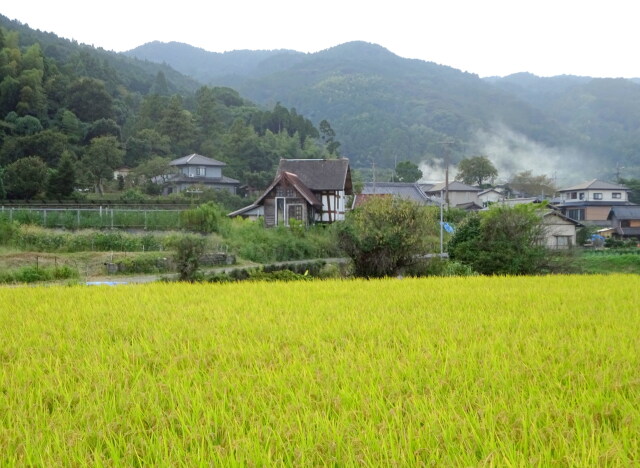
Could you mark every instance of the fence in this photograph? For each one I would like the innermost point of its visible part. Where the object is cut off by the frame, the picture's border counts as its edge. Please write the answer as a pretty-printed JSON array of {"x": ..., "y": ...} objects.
[{"x": 95, "y": 217}]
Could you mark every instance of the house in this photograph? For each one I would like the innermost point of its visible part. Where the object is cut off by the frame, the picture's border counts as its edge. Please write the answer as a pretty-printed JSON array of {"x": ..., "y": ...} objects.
[
  {"x": 560, "y": 231},
  {"x": 195, "y": 171},
  {"x": 407, "y": 191},
  {"x": 590, "y": 202},
  {"x": 625, "y": 221},
  {"x": 456, "y": 194},
  {"x": 123, "y": 172},
  {"x": 308, "y": 190},
  {"x": 489, "y": 196}
]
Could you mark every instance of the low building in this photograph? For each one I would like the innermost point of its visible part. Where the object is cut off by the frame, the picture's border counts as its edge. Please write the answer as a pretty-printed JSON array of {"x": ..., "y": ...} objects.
[
  {"x": 560, "y": 231},
  {"x": 404, "y": 190},
  {"x": 196, "y": 171},
  {"x": 456, "y": 194},
  {"x": 625, "y": 221},
  {"x": 489, "y": 196}
]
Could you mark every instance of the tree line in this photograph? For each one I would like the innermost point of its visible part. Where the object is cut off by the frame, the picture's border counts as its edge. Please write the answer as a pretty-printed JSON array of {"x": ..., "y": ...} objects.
[{"x": 70, "y": 121}]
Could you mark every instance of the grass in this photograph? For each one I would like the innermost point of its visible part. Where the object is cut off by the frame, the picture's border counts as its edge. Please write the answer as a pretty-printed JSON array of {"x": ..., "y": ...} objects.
[
  {"x": 433, "y": 372},
  {"x": 606, "y": 262}
]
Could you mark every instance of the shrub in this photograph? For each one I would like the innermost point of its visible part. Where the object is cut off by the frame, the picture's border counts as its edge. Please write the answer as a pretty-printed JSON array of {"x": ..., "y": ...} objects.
[
  {"x": 205, "y": 218},
  {"x": 8, "y": 231},
  {"x": 385, "y": 234},
  {"x": 32, "y": 274},
  {"x": 188, "y": 252}
]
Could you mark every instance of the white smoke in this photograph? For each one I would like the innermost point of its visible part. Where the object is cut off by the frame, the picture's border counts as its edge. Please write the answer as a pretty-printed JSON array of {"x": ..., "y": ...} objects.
[
  {"x": 435, "y": 171},
  {"x": 512, "y": 152}
]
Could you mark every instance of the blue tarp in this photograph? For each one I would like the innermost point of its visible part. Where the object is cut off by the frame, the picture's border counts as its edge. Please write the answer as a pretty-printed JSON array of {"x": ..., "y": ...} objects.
[{"x": 448, "y": 227}]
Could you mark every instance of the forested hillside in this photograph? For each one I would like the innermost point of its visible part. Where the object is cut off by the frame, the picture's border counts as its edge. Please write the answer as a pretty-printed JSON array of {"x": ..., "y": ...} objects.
[
  {"x": 386, "y": 108},
  {"x": 64, "y": 104}
]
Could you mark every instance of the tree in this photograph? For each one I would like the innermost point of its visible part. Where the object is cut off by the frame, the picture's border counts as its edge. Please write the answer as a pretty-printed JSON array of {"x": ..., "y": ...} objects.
[
  {"x": 3, "y": 192},
  {"x": 504, "y": 240},
  {"x": 102, "y": 127},
  {"x": 475, "y": 170},
  {"x": 178, "y": 124},
  {"x": 89, "y": 100},
  {"x": 155, "y": 167},
  {"x": 26, "y": 178},
  {"x": 189, "y": 248},
  {"x": 328, "y": 136},
  {"x": 102, "y": 157},
  {"x": 63, "y": 179},
  {"x": 634, "y": 185},
  {"x": 531, "y": 185},
  {"x": 385, "y": 234},
  {"x": 406, "y": 171}
]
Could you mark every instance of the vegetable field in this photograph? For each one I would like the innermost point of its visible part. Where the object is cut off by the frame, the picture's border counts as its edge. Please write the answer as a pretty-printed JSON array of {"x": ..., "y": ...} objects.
[{"x": 491, "y": 371}]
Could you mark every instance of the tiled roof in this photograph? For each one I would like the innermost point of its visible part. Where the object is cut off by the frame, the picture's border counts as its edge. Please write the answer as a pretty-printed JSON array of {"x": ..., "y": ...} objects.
[
  {"x": 320, "y": 174},
  {"x": 398, "y": 189},
  {"x": 204, "y": 180},
  {"x": 196, "y": 160},
  {"x": 454, "y": 186},
  {"x": 595, "y": 184},
  {"x": 625, "y": 212},
  {"x": 293, "y": 179}
]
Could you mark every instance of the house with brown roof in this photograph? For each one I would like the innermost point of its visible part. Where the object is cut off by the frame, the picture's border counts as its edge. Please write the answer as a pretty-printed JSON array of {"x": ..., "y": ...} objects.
[
  {"x": 308, "y": 190},
  {"x": 194, "y": 171}
]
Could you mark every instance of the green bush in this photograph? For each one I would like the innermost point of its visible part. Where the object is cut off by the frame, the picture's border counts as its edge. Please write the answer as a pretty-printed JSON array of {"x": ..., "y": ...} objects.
[
  {"x": 385, "y": 235},
  {"x": 153, "y": 263},
  {"x": 188, "y": 252},
  {"x": 252, "y": 241},
  {"x": 8, "y": 231},
  {"x": 278, "y": 275},
  {"x": 47, "y": 240},
  {"x": 205, "y": 218},
  {"x": 505, "y": 241},
  {"x": 32, "y": 274}
]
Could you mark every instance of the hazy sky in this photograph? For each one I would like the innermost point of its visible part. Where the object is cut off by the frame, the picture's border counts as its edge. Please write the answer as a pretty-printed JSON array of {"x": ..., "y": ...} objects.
[{"x": 490, "y": 37}]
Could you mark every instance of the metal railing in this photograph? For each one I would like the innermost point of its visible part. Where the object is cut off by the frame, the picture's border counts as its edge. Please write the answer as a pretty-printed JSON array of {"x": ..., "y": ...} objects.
[{"x": 97, "y": 217}]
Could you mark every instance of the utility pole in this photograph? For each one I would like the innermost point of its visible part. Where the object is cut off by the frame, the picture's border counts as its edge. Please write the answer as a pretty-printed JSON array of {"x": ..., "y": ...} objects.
[
  {"x": 395, "y": 165},
  {"x": 373, "y": 167},
  {"x": 446, "y": 144}
]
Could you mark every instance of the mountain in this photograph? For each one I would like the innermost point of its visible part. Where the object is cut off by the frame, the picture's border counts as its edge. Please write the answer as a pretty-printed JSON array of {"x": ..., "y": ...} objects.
[
  {"x": 104, "y": 110},
  {"x": 203, "y": 65},
  {"x": 136, "y": 75},
  {"x": 385, "y": 108}
]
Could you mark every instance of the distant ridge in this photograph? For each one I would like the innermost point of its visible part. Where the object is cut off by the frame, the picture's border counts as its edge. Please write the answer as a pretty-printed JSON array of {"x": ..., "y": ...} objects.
[{"x": 386, "y": 108}]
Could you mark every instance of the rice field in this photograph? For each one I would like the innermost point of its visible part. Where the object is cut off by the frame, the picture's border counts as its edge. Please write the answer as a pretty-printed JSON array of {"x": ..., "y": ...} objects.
[{"x": 416, "y": 372}]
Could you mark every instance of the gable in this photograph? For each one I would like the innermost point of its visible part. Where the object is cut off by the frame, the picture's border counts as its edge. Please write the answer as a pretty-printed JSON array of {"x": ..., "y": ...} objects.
[
  {"x": 320, "y": 174},
  {"x": 285, "y": 181}
]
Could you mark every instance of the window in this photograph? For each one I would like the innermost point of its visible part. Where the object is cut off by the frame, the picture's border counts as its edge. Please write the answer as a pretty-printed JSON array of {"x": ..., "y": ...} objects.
[
  {"x": 581, "y": 195},
  {"x": 201, "y": 171},
  {"x": 597, "y": 196},
  {"x": 625, "y": 223},
  {"x": 295, "y": 212},
  {"x": 285, "y": 192},
  {"x": 617, "y": 195},
  {"x": 563, "y": 242},
  {"x": 574, "y": 195},
  {"x": 575, "y": 214}
]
